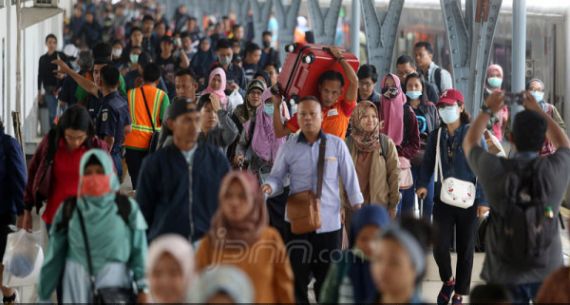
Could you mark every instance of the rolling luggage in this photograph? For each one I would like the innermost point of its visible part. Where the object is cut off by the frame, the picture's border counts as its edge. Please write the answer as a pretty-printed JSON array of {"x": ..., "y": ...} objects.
[{"x": 304, "y": 65}]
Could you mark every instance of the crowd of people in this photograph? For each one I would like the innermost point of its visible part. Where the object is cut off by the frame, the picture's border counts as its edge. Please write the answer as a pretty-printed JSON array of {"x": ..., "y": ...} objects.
[{"x": 240, "y": 195}]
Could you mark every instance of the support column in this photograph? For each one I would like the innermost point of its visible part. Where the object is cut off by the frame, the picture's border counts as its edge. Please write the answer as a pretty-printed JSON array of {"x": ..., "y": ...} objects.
[
  {"x": 566, "y": 100},
  {"x": 355, "y": 28},
  {"x": 519, "y": 52},
  {"x": 287, "y": 18},
  {"x": 261, "y": 13},
  {"x": 324, "y": 21},
  {"x": 241, "y": 7},
  {"x": 470, "y": 37},
  {"x": 381, "y": 33}
]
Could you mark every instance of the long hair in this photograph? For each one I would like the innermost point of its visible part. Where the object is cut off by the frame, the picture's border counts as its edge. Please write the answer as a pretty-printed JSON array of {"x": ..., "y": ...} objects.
[{"x": 75, "y": 117}]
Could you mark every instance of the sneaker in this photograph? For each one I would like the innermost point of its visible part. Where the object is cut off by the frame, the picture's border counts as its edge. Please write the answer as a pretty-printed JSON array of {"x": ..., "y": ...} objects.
[
  {"x": 457, "y": 300},
  {"x": 445, "y": 292},
  {"x": 13, "y": 299}
]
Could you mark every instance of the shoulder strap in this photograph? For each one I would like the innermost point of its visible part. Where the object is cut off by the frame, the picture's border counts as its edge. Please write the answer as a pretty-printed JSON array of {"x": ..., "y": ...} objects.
[
  {"x": 250, "y": 133},
  {"x": 123, "y": 206},
  {"x": 147, "y": 110},
  {"x": 438, "y": 171},
  {"x": 321, "y": 166},
  {"x": 88, "y": 250},
  {"x": 437, "y": 78}
]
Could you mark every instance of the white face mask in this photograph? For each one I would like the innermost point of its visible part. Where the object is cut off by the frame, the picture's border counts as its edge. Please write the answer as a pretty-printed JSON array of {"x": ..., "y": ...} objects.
[
  {"x": 449, "y": 114},
  {"x": 117, "y": 52}
]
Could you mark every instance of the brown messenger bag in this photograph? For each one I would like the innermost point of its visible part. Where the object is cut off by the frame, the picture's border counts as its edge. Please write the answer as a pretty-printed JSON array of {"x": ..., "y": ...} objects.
[{"x": 304, "y": 208}]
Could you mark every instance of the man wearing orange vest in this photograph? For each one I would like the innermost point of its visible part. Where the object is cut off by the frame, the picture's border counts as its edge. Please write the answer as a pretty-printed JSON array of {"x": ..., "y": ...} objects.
[{"x": 147, "y": 106}]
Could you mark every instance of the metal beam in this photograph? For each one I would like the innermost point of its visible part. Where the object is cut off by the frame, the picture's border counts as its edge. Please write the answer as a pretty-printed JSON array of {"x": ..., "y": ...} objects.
[
  {"x": 241, "y": 8},
  {"x": 381, "y": 32},
  {"x": 261, "y": 14},
  {"x": 287, "y": 18},
  {"x": 566, "y": 100},
  {"x": 324, "y": 21},
  {"x": 355, "y": 28},
  {"x": 470, "y": 38}
]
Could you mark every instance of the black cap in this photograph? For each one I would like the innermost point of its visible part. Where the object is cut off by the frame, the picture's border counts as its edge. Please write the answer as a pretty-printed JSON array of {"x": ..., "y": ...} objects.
[
  {"x": 166, "y": 38},
  {"x": 180, "y": 107}
]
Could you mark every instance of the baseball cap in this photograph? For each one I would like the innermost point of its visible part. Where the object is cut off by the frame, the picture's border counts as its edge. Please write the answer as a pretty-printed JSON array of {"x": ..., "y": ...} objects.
[
  {"x": 180, "y": 107},
  {"x": 167, "y": 38},
  {"x": 256, "y": 84},
  {"x": 449, "y": 97}
]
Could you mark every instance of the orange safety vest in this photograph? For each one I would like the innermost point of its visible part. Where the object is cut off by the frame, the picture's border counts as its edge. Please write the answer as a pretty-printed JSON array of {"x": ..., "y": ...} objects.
[{"x": 141, "y": 134}]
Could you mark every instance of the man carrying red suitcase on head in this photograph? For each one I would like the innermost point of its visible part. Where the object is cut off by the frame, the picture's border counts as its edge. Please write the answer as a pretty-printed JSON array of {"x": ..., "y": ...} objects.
[{"x": 336, "y": 108}]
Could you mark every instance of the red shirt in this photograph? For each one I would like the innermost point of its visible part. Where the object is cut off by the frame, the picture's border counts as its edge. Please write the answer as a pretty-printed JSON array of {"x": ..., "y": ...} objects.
[
  {"x": 65, "y": 178},
  {"x": 335, "y": 119}
]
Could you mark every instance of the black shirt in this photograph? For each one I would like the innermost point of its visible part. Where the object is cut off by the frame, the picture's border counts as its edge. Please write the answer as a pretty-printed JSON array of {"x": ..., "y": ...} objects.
[{"x": 46, "y": 75}]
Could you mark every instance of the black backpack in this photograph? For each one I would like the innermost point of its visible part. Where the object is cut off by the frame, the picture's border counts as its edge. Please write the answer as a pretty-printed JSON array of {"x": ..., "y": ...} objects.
[
  {"x": 123, "y": 210},
  {"x": 528, "y": 224}
]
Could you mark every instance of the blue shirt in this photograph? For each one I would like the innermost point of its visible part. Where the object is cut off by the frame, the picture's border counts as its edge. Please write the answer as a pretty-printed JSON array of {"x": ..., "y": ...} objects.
[
  {"x": 298, "y": 160},
  {"x": 112, "y": 119}
]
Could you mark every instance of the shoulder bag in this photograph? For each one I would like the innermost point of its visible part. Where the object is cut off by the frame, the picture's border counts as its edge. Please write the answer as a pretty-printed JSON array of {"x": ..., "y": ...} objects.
[
  {"x": 454, "y": 192},
  {"x": 108, "y": 295},
  {"x": 304, "y": 208}
]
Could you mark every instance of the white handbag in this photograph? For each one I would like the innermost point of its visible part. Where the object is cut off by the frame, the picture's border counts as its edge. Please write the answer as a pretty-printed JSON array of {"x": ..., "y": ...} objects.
[{"x": 454, "y": 192}]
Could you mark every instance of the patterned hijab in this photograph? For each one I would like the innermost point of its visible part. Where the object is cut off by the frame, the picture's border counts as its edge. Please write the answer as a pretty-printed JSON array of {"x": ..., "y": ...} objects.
[
  {"x": 364, "y": 140},
  {"x": 249, "y": 229}
]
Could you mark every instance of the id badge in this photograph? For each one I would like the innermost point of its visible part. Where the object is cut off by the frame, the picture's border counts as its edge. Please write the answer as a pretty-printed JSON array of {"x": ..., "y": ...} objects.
[{"x": 332, "y": 112}]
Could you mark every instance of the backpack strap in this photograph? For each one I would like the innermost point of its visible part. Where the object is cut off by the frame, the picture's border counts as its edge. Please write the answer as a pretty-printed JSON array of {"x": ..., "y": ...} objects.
[
  {"x": 68, "y": 208},
  {"x": 123, "y": 210},
  {"x": 384, "y": 146},
  {"x": 437, "y": 79}
]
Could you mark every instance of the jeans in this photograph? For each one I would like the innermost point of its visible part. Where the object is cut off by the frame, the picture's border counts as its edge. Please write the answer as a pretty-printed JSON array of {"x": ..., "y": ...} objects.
[
  {"x": 51, "y": 103},
  {"x": 117, "y": 160},
  {"x": 523, "y": 293},
  {"x": 134, "y": 160},
  {"x": 406, "y": 205}
]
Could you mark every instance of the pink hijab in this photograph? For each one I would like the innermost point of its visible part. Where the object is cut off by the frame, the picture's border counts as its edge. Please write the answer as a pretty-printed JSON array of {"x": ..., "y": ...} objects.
[
  {"x": 220, "y": 93},
  {"x": 392, "y": 112},
  {"x": 264, "y": 143}
]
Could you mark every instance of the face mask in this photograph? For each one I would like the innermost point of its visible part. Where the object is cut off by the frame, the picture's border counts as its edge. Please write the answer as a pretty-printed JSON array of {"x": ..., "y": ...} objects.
[
  {"x": 269, "y": 109},
  {"x": 538, "y": 95},
  {"x": 266, "y": 44},
  {"x": 414, "y": 95},
  {"x": 449, "y": 114},
  {"x": 225, "y": 60},
  {"x": 117, "y": 52},
  {"x": 95, "y": 185},
  {"x": 134, "y": 58},
  {"x": 390, "y": 92},
  {"x": 495, "y": 82}
]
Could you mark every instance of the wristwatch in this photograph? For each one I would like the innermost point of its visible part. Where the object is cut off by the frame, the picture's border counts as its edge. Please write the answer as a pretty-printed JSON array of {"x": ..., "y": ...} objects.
[{"x": 487, "y": 110}]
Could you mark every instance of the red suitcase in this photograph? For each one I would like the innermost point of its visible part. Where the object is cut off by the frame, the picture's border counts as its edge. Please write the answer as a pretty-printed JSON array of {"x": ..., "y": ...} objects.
[{"x": 304, "y": 65}]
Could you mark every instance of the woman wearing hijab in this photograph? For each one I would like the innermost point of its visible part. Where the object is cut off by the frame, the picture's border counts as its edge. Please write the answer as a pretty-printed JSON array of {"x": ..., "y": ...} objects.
[
  {"x": 399, "y": 262},
  {"x": 401, "y": 125},
  {"x": 494, "y": 82},
  {"x": 349, "y": 280},
  {"x": 222, "y": 285},
  {"x": 170, "y": 269},
  {"x": 375, "y": 159},
  {"x": 217, "y": 86},
  {"x": 115, "y": 232},
  {"x": 239, "y": 227}
]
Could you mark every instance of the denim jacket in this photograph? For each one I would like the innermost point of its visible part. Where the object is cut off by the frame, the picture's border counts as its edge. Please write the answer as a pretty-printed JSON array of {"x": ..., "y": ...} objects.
[{"x": 458, "y": 168}]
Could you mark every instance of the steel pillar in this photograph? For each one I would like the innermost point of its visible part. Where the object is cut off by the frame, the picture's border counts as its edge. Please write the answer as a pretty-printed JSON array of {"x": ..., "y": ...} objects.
[
  {"x": 324, "y": 21},
  {"x": 381, "y": 33},
  {"x": 355, "y": 28},
  {"x": 470, "y": 37},
  {"x": 287, "y": 18},
  {"x": 519, "y": 45},
  {"x": 241, "y": 8},
  {"x": 566, "y": 100},
  {"x": 261, "y": 14}
]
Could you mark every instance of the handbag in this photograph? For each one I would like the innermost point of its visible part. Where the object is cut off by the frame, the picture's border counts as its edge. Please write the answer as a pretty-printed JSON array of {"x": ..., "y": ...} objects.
[
  {"x": 304, "y": 208},
  {"x": 454, "y": 192},
  {"x": 108, "y": 295},
  {"x": 155, "y": 134}
]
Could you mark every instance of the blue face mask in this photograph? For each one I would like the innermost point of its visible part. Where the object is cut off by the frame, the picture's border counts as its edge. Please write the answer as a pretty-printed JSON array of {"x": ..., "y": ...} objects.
[
  {"x": 269, "y": 109},
  {"x": 449, "y": 114},
  {"x": 495, "y": 82},
  {"x": 538, "y": 95},
  {"x": 414, "y": 95},
  {"x": 134, "y": 58}
]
